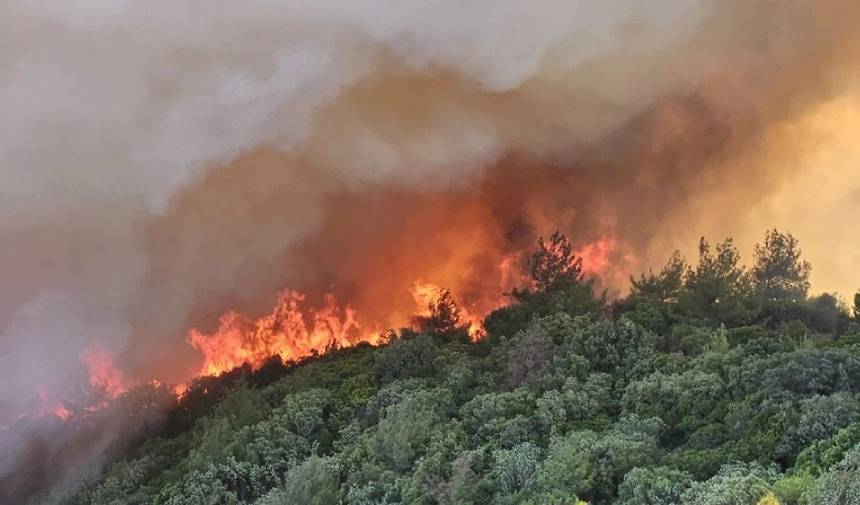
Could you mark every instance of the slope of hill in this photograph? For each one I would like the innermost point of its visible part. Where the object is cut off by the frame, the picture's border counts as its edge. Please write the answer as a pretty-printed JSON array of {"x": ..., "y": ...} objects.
[{"x": 711, "y": 383}]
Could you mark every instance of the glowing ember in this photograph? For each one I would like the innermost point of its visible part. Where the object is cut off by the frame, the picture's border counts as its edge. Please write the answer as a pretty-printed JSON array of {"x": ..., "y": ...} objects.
[
  {"x": 180, "y": 389},
  {"x": 48, "y": 406},
  {"x": 62, "y": 412}
]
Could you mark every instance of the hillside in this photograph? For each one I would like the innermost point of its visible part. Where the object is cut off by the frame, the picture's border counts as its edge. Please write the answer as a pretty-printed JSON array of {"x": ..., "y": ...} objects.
[{"x": 710, "y": 383}]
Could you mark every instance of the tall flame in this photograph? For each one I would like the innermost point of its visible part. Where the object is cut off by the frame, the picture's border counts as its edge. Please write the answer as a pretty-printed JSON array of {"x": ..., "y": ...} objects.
[
  {"x": 104, "y": 375},
  {"x": 293, "y": 330},
  {"x": 289, "y": 331}
]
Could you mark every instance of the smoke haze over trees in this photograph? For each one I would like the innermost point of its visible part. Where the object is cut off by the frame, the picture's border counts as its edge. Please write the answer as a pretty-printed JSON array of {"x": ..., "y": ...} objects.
[
  {"x": 700, "y": 386},
  {"x": 162, "y": 166},
  {"x": 169, "y": 168}
]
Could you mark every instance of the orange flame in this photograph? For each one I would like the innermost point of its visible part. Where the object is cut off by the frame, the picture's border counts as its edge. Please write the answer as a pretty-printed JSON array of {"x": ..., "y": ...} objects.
[
  {"x": 288, "y": 331},
  {"x": 293, "y": 331},
  {"x": 426, "y": 294},
  {"x": 104, "y": 375},
  {"x": 596, "y": 255},
  {"x": 48, "y": 406}
]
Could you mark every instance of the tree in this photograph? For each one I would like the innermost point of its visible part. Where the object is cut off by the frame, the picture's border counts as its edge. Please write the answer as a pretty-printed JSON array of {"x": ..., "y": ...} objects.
[
  {"x": 818, "y": 457},
  {"x": 415, "y": 357},
  {"x": 684, "y": 401},
  {"x": 655, "y": 486},
  {"x": 591, "y": 465},
  {"x": 857, "y": 305},
  {"x": 529, "y": 354},
  {"x": 716, "y": 289},
  {"x": 515, "y": 467},
  {"x": 313, "y": 482},
  {"x": 621, "y": 348},
  {"x": 562, "y": 402},
  {"x": 405, "y": 431},
  {"x": 768, "y": 499},
  {"x": 826, "y": 313},
  {"x": 779, "y": 273},
  {"x": 444, "y": 316},
  {"x": 577, "y": 404},
  {"x": 496, "y": 418},
  {"x": 555, "y": 264},
  {"x": 840, "y": 486},
  {"x": 820, "y": 418},
  {"x": 663, "y": 287},
  {"x": 737, "y": 484}
]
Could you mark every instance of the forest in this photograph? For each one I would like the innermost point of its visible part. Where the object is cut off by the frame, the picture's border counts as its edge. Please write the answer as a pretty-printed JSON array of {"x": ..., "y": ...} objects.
[{"x": 710, "y": 383}]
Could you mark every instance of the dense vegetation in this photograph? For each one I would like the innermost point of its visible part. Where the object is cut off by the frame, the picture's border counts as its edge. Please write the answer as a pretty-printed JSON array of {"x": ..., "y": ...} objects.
[{"x": 710, "y": 384}]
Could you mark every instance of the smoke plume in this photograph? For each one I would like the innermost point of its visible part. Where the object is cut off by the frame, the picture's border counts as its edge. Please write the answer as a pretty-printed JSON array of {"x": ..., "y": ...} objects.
[{"x": 163, "y": 163}]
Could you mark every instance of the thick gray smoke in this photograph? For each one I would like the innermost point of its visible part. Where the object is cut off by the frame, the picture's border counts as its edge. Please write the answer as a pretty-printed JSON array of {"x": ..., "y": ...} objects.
[
  {"x": 112, "y": 109},
  {"x": 164, "y": 161}
]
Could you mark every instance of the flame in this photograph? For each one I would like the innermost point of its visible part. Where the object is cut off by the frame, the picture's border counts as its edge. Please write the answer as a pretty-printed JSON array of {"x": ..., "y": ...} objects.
[
  {"x": 49, "y": 406},
  {"x": 61, "y": 411},
  {"x": 104, "y": 375},
  {"x": 425, "y": 294},
  {"x": 180, "y": 389},
  {"x": 105, "y": 379},
  {"x": 596, "y": 256},
  {"x": 290, "y": 331},
  {"x": 293, "y": 330}
]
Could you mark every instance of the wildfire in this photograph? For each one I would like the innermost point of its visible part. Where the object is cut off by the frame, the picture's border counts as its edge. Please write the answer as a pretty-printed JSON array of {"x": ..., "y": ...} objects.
[
  {"x": 596, "y": 255},
  {"x": 289, "y": 331},
  {"x": 295, "y": 328},
  {"x": 61, "y": 411},
  {"x": 426, "y": 294},
  {"x": 293, "y": 331},
  {"x": 104, "y": 375},
  {"x": 46, "y": 406}
]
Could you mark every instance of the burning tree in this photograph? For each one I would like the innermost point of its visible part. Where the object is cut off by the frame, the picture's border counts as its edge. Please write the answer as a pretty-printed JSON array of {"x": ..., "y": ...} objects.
[
  {"x": 558, "y": 283},
  {"x": 555, "y": 264},
  {"x": 444, "y": 316}
]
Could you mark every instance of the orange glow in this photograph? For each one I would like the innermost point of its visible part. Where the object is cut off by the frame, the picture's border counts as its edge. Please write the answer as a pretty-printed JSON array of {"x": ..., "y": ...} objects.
[
  {"x": 294, "y": 330},
  {"x": 104, "y": 375},
  {"x": 426, "y": 294},
  {"x": 62, "y": 412},
  {"x": 180, "y": 389},
  {"x": 596, "y": 255},
  {"x": 289, "y": 331},
  {"x": 48, "y": 406}
]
